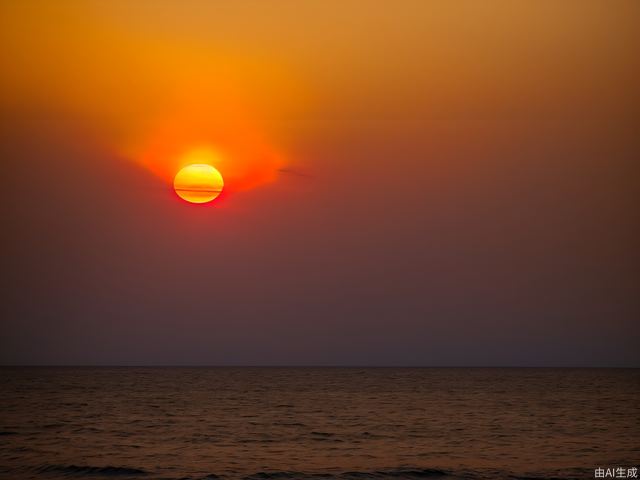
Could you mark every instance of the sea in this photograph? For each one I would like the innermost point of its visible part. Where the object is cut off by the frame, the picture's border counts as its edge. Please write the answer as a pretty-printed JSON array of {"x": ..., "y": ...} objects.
[{"x": 318, "y": 423}]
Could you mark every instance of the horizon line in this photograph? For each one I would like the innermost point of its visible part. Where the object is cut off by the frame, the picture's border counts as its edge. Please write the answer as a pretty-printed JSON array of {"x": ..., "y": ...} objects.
[{"x": 311, "y": 366}]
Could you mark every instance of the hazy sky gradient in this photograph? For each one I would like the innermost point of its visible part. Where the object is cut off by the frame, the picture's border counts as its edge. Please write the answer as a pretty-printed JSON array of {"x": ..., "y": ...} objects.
[{"x": 455, "y": 183}]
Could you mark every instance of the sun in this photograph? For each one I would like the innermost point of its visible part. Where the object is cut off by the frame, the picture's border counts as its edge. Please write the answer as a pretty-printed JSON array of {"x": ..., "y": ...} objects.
[{"x": 198, "y": 183}]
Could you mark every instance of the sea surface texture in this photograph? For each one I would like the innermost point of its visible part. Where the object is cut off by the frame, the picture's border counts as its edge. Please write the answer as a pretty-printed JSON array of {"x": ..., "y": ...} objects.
[{"x": 316, "y": 423}]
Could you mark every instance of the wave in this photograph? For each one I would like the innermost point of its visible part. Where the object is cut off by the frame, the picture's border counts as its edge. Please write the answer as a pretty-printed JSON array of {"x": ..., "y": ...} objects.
[
  {"x": 354, "y": 475},
  {"x": 75, "y": 470},
  {"x": 57, "y": 471},
  {"x": 409, "y": 473}
]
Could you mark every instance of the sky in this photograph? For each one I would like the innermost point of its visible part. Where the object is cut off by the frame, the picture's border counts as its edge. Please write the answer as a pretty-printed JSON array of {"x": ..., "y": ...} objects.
[{"x": 427, "y": 183}]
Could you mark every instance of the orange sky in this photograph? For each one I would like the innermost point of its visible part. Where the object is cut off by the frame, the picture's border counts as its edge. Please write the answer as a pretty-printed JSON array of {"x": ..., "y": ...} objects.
[
  {"x": 413, "y": 182},
  {"x": 161, "y": 79}
]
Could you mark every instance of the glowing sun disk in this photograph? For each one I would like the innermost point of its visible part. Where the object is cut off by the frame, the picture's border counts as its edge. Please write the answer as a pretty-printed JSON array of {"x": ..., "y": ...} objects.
[{"x": 198, "y": 183}]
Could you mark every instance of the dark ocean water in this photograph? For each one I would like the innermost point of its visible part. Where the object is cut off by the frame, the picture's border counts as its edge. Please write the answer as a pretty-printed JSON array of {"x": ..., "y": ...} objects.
[{"x": 316, "y": 423}]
